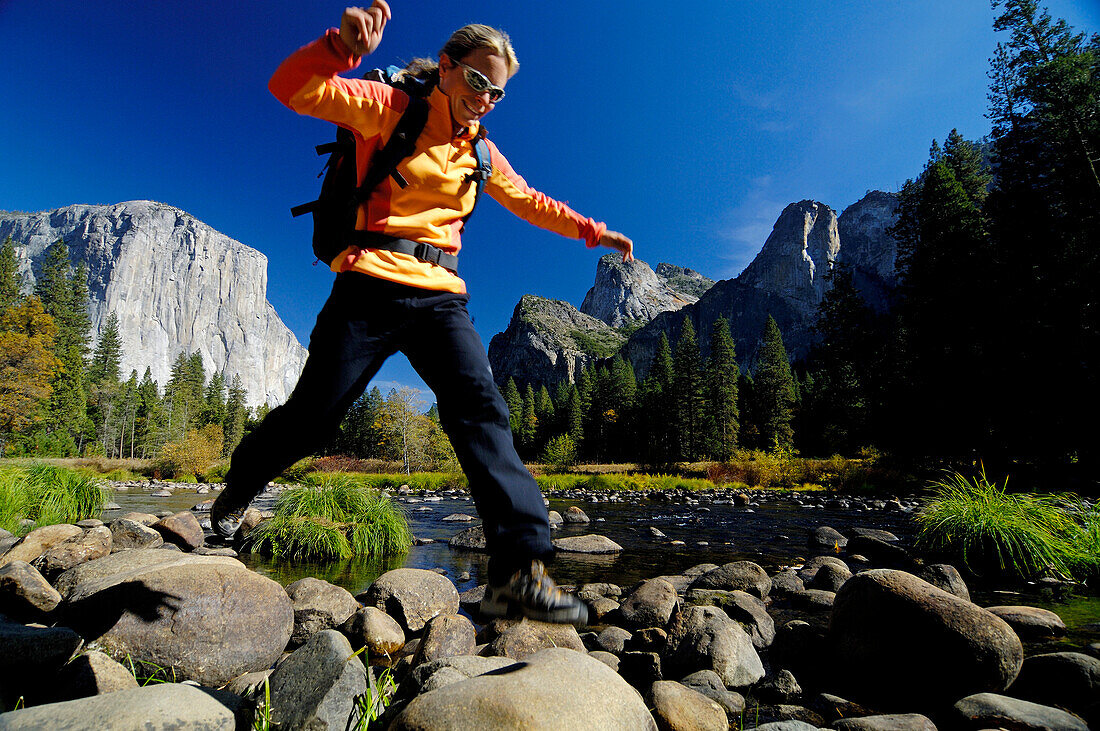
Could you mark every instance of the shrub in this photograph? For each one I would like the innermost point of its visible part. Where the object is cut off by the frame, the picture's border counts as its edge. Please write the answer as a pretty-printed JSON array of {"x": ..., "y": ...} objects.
[
  {"x": 194, "y": 455},
  {"x": 335, "y": 517},
  {"x": 297, "y": 472},
  {"x": 47, "y": 495},
  {"x": 1023, "y": 535},
  {"x": 560, "y": 453}
]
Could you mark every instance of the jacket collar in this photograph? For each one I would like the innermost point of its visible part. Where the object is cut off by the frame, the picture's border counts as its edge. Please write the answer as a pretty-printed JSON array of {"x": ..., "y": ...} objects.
[{"x": 441, "y": 104}]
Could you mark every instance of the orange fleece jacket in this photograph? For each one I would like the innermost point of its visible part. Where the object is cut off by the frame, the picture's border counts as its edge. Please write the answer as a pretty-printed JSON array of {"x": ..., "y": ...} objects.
[{"x": 433, "y": 205}]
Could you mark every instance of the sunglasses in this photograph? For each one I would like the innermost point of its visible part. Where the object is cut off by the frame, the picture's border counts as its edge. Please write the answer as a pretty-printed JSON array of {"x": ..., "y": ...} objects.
[{"x": 480, "y": 83}]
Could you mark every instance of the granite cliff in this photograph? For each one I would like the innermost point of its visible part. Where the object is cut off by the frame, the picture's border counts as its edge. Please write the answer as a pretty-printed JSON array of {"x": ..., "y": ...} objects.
[
  {"x": 787, "y": 280},
  {"x": 176, "y": 285}
]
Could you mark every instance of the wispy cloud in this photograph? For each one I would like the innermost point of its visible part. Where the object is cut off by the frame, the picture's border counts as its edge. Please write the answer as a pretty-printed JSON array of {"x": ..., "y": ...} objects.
[{"x": 748, "y": 224}]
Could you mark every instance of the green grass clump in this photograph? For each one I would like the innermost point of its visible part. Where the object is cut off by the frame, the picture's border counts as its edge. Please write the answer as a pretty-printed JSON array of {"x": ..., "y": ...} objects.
[
  {"x": 332, "y": 516},
  {"x": 47, "y": 495},
  {"x": 1023, "y": 535},
  {"x": 621, "y": 482}
]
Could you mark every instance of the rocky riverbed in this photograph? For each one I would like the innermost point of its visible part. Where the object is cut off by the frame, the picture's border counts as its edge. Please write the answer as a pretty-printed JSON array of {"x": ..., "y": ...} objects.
[{"x": 832, "y": 622}]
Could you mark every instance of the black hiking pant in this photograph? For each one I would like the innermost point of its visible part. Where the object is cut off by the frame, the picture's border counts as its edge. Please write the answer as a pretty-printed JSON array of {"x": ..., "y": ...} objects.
[{"x": 364, "y": 321}]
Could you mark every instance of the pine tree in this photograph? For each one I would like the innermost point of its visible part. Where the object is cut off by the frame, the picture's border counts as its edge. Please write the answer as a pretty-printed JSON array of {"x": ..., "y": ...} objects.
[
  {"x": 235, "y": 414},
  {"x": 529, "y": 423},
  {"x": 722, "y": 374},
  {"x": 774, "y": 386},
  {"x": 687, "y": 393},
  {"x": 574, "y": 416},
  {"x": 10, "y": 281},
  {"x": 515, "y": 406},
  {"x": 657, "y": 406},
  {"x": 214, "y": 406}
]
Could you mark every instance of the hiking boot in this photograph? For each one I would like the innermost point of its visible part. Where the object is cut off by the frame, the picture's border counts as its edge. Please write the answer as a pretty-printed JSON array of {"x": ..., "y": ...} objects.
[
  {"x": 533, "y": 594},
  {"x": 225, "y": 522}
]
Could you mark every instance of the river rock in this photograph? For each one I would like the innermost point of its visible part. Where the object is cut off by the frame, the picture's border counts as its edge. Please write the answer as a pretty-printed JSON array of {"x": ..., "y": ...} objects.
[
  {"x": 650, "y": 605},
  {"x": 947, "y": 577},
  {"x": 38, "y": 541},
  {"x": 92, "y": 544},
  {"x": 447, "y": 635},
  {"x": 93, "y": 673},
  {"x": 833, "y": 708},
  {"x": 519, "y": 639},
  {"x": 883, "y": 553},
  {"x": 157, "y": 707},
  {"x": 612, "y": 639},
  {"x": 738, "y": 575},
  {"x": 315, "y": 687},
  {"x": 886, "y": 722},
  {"x": 785, "y": 583},
  {"x": 146, "y": 519},
  {"x": 28, "y": 652},
  {"x": 640, "y": 669},
  {"x": 741, "y": 607},
  {"x": 372, "y": 628},
  {"x": 181, "y": 529},
  {"x": 810, "y": 568},
  {"x": 990, "y": 710},
  {"x": 812, "y": 599},
  {"x": 127, "y": 533},
  {"x": 709, "y": 684},
  {"x": 161, "y": 610},
  {"x": 587, "y": 544},
  {"x": 825, "y": 539},
  {"x": 318, "y": 605},
  {"x": 791, "y": 724},
  {"x": 581, "y": 691},
  {"x": 779, "y": 687},
  {"x": 471, "y": 539},
  {"x": 573, "y": 514},
  {"x": 705, "y": 638},
  {"x": 679, "y": 708},
  {"x": 1031, "y": 623},
  {"x": 801, "y": 648},
  {"x": 555, "y": 518},
  {"x": 412, "y": 596},
  {"x": 1066, "y": 679},
  {"x": 893, "y": 633},
  {"x": 24, "y": 592},
  {"x": 829, "y": 578},
  {"x": 459, "y": 667}
]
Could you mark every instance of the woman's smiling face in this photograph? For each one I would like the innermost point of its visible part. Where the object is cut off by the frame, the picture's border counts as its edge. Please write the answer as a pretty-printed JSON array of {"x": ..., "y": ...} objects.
[{"x": 468, "y": 106}]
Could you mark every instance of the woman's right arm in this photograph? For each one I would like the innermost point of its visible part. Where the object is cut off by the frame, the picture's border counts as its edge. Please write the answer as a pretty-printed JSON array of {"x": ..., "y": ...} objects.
[{"x": 308, "y": 83}]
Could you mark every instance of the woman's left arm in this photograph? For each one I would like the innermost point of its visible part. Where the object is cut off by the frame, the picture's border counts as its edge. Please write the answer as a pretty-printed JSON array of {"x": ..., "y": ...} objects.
[{"x": 512, "y": 191}]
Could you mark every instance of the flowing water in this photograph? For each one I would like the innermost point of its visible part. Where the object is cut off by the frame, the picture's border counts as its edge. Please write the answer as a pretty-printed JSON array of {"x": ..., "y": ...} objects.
[{"x": 772, "y": 533}]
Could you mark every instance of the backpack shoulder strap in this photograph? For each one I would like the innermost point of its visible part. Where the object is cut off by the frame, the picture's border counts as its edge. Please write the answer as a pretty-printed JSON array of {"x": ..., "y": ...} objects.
[
  {"x": 400, "y": 145},
  {"x": 484, "y": 169}
]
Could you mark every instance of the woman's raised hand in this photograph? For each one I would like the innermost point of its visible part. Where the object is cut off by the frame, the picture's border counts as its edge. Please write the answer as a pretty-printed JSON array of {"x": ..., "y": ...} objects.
[
  {"x": 361, "y": 30},
  {"x": 618, "y": 242}
]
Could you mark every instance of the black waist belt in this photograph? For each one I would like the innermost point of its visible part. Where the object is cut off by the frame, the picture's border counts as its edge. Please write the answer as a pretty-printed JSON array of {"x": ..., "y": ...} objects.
[{"x": 422, "y": 251}]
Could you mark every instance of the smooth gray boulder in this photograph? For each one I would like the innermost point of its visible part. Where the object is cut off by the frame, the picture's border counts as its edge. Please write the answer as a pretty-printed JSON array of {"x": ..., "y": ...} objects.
[
  {"x": 825, "y": 539},
  {"x": 24, "y": 592},
  {"x": 829, "y": 578},
  {"x": 412, "y": 596},
  {"x": 1031, "y": 623},
  {"x": 650, "y": 605},
  {"x": 181, "y": 529},
  {"x": 315, "y": 687},
  {"x": 553, "y": 689},
  {"x": 741, "y": 607},
  {"x": 92, "y": 673},
  {"x": 471, "y": 539},
  {"x": 592, "y": 543},
  {"x": 946, "y": 577},
  {"x": 28, "y": 652},
  {"x": 519, "y": 639},
  {"x": 38, "y": 541},
  {"x": 92, "y": 544},
  {"x": 372, "y": 628},
  {"x": 207, "y": 617},
  {"x": 891, "y": 632},
  {"x": 679, "y": 708},
  {"x": 448, "y": 635},
  {"x": 1066, "y": 679},
  {"x": 464, "y": 666},
  {"x": 318, "y": 605},
  {"x": 705, "y": 638},
  {"x": 990, "y": 710},
  {"x": 886, "y": 722},
  {"x": 744, "y": 575},
  {"x": 127, "y": 533},
  {"x": 159, "y": 707}
]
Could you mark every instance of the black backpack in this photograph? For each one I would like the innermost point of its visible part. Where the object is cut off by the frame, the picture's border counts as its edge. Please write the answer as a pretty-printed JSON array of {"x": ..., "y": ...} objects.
[{"x": 335, "y": 211}]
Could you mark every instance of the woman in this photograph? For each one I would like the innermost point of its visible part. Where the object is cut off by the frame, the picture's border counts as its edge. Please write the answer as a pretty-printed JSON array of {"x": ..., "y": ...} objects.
[{"x": 386, "y": 300}]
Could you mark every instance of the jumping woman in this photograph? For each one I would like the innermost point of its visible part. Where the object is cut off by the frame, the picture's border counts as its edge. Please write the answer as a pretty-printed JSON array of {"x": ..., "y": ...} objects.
[{"x": 407, "y": 296}]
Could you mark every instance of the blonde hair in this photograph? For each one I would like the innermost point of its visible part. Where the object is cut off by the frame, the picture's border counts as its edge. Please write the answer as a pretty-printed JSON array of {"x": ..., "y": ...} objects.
[{"x": 461, "y": 44}]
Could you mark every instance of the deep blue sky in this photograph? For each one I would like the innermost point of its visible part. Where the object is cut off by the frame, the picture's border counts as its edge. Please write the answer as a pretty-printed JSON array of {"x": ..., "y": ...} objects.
[{"x": 688, "y": 127}]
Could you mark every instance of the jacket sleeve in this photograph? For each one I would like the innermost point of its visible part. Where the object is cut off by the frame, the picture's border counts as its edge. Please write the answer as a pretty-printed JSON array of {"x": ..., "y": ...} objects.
[
  {"x": 512, "y": 192},
  {"x": 307, "y": 82}
]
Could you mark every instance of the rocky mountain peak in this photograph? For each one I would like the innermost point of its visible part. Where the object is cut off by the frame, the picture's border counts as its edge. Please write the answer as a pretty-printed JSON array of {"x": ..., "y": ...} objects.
[
  {"x": 631, "y": 292},
  {"x": 798, "y": 253}
]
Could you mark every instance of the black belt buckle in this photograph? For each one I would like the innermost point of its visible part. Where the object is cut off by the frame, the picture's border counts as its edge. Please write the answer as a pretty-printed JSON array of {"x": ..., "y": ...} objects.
[{"x": 426, "y": 252}]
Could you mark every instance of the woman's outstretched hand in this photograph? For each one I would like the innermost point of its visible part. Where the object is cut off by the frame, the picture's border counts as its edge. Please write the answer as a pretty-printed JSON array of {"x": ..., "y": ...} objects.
[
  {"x": 618, "y": 242},
  {"x": 361, "y": 30}
]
